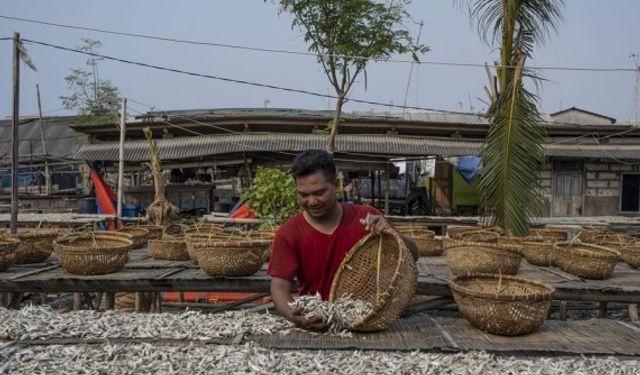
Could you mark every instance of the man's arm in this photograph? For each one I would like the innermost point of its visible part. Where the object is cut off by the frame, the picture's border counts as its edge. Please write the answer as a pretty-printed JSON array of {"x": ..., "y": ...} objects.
[{"x": 281, "y": 296}]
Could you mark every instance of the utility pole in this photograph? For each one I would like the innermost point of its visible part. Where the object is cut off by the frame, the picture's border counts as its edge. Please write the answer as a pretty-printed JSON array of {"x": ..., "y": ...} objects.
[
  {"x": 123, "y": 124},
  {"x": 15, "y": 134},
  {"x": 47, "y": 173}
]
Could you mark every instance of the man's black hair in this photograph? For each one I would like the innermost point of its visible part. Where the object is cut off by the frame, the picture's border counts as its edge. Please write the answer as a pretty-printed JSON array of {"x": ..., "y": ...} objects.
[{"x": 310, "y": 161}]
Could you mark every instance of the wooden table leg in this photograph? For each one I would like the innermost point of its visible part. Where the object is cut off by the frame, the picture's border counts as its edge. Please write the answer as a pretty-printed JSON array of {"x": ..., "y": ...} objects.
[
  {"x": 602, "y": 310},
  {"x": 110, "y": 301},
  {"x": 77, "y": 301},
  {"x": 633, "y": 312},
  {"x": 563, "y": 310}
]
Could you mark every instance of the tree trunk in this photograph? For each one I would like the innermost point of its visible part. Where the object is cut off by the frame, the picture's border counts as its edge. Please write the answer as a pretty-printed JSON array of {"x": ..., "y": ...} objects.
[
  {"x": 160, "y": 211},
  {"x": 331, "y": 142}
]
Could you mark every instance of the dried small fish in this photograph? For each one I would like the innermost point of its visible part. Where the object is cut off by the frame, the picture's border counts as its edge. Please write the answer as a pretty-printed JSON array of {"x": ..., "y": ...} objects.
[{"x": 339, "y": 315}]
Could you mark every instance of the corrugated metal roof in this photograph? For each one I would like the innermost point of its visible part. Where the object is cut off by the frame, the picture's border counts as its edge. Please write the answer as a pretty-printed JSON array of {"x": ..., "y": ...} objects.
[
  {"x": 388, "y": 145},
  {"x": 61, "y": 141},
  {"x": 191, "y": 147}
]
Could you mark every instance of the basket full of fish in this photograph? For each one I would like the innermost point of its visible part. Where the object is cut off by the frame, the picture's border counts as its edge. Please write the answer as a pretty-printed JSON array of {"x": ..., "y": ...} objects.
[
  {"x": 502, "y": 305},
  {"x": 93, "y": 253},
  {"x": 8, "y": 246},
  {"x": 380, "y": 271}
]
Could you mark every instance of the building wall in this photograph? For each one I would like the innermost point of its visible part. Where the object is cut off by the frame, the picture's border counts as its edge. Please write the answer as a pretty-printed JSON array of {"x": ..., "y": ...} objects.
[{"x": 602, "y": 187}]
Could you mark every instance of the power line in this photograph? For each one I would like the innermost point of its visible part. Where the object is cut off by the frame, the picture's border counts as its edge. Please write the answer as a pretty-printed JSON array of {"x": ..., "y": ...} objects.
[
  {"x": 238, "y": 81},
  {"x": 270, "y": 50}
]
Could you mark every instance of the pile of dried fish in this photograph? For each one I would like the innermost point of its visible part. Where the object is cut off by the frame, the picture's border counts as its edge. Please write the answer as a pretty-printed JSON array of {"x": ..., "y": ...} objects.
[
  {"x": 37, "y": 322},
  {"x": 249, "y": 358},
  {"x": 343, "y": 313}
]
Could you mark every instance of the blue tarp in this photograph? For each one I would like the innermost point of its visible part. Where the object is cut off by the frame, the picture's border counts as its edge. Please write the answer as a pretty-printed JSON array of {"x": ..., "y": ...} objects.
[
  {"x": 469, "y": 167},
  {"x": 26, "y": 176}
]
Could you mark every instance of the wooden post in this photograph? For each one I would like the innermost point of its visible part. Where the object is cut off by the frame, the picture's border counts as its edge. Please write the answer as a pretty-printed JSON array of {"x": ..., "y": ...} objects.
[
  {"x": 387, "y": 172},
  {"x": 15, "y": 140},
  {"x": 47, "y": 173},
  {"x": 110, "y": 301},
  {"x": 373, "y": 188},
  {"x": 379, "y": 186},
  {"x": 563, "y": 310},
  {"x": 602, "y": 310},
  {"x": 77, "y": 300},
  {"x": 123, "y": 130},
  {"x": 633, "y": 312}
]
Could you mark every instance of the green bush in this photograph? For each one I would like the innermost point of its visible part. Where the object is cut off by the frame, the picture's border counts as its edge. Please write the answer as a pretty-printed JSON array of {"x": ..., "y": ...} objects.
[{"x": 273, "y": 194}]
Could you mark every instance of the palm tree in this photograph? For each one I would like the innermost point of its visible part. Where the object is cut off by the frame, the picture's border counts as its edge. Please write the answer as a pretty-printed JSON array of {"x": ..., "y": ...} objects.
[{"x": 512, "y": 154}]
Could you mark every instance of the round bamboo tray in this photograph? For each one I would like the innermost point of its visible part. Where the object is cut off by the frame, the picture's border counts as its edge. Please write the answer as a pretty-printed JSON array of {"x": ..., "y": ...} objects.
[
  {"x": 221, "y": 257},
  {"x": 481, "y": 257},
  {"x": 139, "y": 235},
  {"x": 93, "y": 253},
  {"x": 155, "y": 231},
  {"x": 35, "y": 245},
  {"x": 550, "y": 234},
  {"x": 631, "y": 254},
  {"x": 456, "y": 231},
  {"x": 8, "y": 246},
  {"x": 588, "y": 234},
  {"x": 168, "y": 248},
  {"x": 378, "y": 269},
  {"x": 586, "y": 260},
  {"x": 502, "y": 305}
]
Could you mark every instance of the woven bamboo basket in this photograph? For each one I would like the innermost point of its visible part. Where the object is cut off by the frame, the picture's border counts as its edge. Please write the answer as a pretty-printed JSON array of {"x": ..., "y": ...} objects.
[
  {"x": 424, "y": 238},
  {"x": 378, "y": 269},
  {"x": 204, "y": 229},
  {"x": 93, "y": 253},
  {"x": 481, "y": 257},
  {"x": 168, "y": 248},
  {"x": 550, "y": 234},
  {"x": 35, "y": 245},
  {"x": 631, "y": 254},
  {"x": 588, "y": 234},
  {"x": 456, "y": 231},
  {"x": 139, "y": 235},
  {"x": 155, "y": 231},
  {"x": 220, "y": 258},
  {"x": 539, "y": 253},
  {"x": 8, "y": 246},
  {"x": 586, "y": 260},
  {"x": 502, "y": 305},
  {"x": 612, "y": 238},
  {"x": 483, "y": 235}
]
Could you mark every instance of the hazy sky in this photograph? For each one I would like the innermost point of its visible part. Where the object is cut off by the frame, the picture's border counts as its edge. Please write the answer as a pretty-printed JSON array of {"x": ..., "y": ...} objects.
[{"x": 594, "y": 33}]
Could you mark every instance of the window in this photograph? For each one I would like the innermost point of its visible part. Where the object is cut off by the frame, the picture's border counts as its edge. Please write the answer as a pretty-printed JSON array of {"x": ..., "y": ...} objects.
[{"x": 630, "y": 192}]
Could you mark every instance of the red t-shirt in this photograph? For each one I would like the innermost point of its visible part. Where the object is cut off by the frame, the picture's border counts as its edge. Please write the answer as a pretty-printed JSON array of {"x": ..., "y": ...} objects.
[{"x": 300, "y": 251}]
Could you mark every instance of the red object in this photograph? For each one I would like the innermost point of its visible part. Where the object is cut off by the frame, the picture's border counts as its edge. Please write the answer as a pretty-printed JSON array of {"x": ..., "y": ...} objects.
[
  {"x": 210, "y": 297},
  {"x": 313, "y": 257},
  {"x": 243, "y": 212},
  {"x": 104, "y": 197}
]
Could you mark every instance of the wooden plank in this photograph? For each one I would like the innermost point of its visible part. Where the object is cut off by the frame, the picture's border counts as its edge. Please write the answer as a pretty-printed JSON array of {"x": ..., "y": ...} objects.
[
  {"x": 231, "y": 305},
  {"x": 33, "y": 272}
]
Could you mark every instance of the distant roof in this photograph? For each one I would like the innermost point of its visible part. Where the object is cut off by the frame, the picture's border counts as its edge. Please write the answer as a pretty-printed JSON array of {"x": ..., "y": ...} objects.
[
  {"x": 375, "y": 145},
  {"x": 60, "y": 140},
  {"x": 580, "y": 110}
]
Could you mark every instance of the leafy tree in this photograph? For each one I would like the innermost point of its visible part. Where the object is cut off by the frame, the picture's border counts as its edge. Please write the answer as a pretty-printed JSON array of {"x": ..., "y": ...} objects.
[
  {"x": 88, "y": 94},
  {"x": 272, "y": 194},
  {"x": 512, "y": 154},
  {"x": 346, "y": 35}
]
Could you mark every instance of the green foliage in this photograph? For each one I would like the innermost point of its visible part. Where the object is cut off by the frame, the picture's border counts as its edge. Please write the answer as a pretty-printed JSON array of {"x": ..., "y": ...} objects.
[
  {"x": 513, "y": 154},
  {"x": 88, "y": 94},
  {"x": 347, "y": 34},
  {"x": 273, "y": 194}
]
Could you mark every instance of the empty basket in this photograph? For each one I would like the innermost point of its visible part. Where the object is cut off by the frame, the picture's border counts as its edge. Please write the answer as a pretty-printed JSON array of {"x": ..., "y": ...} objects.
[
  {"x": 35, "y": 245},
  {"x": 7, "y": 251},
  {"x": 631, "y": 254},
  {"x": 481, "y": 257},
  {"x": 586, "y": 260},
  {"x": 424, "y": 238},
  {"x": 168, "y": 248},
  {"x": 550, "y": 234},
  {"x": 221, "y": 257},
  {"x": 92, "y": 253},
  {"x": 502, "y": 305},
  {"x": 139, "y": 235},
  {"x": 378, "y": 269}
]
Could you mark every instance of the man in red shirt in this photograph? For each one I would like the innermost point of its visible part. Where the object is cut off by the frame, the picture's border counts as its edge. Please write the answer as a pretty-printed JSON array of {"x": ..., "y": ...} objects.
[{"x": 311, "y": 245}]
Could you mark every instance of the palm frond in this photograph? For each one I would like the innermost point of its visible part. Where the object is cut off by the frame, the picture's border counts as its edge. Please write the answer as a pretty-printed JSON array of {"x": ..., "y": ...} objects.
[{"x": 512, "y": 156}]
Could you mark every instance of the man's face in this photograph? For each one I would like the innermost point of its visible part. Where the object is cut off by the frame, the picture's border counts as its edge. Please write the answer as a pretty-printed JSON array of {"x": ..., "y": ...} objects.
[{"x": 316, "y": 194}]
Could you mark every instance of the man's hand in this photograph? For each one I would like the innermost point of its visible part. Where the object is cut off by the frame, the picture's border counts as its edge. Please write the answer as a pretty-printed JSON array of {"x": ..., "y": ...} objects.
[
  {"x": 312, "y": 322},
  {"x": 377, "y": 224}
]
